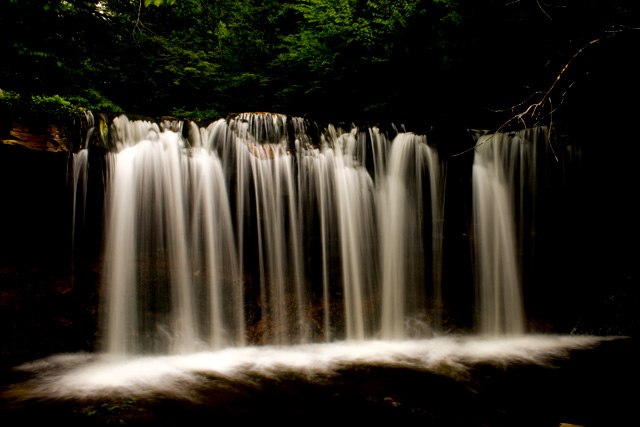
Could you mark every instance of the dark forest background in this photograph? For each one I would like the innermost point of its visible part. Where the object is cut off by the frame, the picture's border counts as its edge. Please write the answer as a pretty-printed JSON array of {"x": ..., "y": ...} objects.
[{"x": 412, "y": 61}]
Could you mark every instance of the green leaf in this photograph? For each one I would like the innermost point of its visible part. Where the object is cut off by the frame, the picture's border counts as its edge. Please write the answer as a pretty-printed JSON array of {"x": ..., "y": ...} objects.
[{"x": 158, "y": 2}]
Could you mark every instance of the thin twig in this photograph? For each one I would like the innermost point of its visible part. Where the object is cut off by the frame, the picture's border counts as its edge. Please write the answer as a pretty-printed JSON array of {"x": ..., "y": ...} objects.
[
  {"x": 534, "y": 110},
  {"x": 544, "y": 11},
  {"x": 136, "y": 26}
]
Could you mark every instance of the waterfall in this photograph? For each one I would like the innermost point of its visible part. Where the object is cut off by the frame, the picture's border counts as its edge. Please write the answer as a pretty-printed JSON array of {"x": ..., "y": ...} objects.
[
  {"x": 504, "y": 178},
  {"x": 266, "y": 229},
  {"x": 402, "y": 228}
]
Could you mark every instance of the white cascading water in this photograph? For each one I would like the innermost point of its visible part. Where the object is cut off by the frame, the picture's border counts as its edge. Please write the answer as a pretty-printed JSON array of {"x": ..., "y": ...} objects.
[
  {"x": 354, "y": 203},
  {"x": 209, "y": 238},
  {"x": 503, "y": 179},
  {"x": 411, "y": 164},
  {"x": 171, "y": 263},
  {"x": 247, "y": 232},
  {"x": 255, "y": 231}
]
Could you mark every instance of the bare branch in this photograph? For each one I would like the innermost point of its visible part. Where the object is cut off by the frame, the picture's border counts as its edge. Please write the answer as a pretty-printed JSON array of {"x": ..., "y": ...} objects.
[
  {"x": 543, "y": 11},
  {"x": 535, "y": 110},
  {"x": 137, "y": 24},
  {"x": 539, "y": 6}
]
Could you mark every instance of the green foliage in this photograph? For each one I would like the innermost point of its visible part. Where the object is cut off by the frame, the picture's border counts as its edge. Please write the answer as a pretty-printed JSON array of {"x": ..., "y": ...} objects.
[
  {"x": 203, "y": 59},
  {"x": 111, "y": 413},
  {"x": 90, "y": 99},
  {"x": 40, "y": 107},
  {"x": 9, "y": 101},
  {"x": 158, "y": 2},
  {"x": 333, "y": 28},
  {"x": 196, "y": 115},
  {"x": 344, "y": 49},
  {"x": 54, "y": 106}
]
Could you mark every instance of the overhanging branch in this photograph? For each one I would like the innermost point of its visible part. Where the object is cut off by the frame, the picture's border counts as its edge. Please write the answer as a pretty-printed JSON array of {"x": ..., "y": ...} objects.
[{"x": 532, "y": 112}]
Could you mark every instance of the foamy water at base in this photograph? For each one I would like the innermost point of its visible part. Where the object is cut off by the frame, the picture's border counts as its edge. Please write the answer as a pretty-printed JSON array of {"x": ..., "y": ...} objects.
[{"x": 93, "y": 376}]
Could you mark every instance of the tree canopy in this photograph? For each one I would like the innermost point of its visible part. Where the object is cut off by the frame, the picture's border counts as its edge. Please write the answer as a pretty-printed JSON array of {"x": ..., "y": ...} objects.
[{"x": 326, "y": 59}]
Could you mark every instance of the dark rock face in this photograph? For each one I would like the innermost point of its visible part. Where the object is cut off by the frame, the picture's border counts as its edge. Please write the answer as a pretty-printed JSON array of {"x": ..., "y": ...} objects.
[
  {"x": 47, "y": 138},
  {"x": 615, "y": 314},
  {"x": 47, "y": 303}
]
